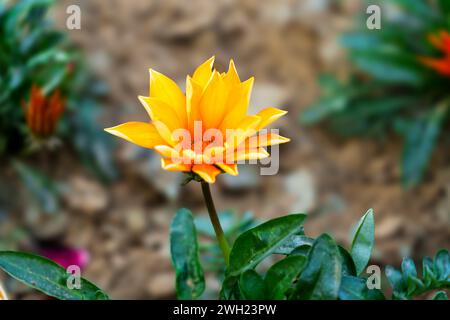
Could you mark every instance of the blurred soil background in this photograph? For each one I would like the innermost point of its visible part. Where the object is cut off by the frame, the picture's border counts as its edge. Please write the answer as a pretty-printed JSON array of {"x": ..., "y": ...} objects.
[{"x": 285, "y": 45}]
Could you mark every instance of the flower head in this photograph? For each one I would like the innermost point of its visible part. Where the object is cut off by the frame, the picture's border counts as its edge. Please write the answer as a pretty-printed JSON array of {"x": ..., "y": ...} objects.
[
  {"x": 440, "y": 41},
  {"x": 207, "y": 130},
  {"x": 41, "y": 113}
]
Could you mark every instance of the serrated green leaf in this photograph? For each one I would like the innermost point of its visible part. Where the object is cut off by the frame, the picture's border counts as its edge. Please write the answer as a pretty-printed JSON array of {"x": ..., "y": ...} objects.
[
  {"x": 363, "y": 240},
  {"x": 321, "y": 277},
  {"x": 442, "y": 265},
  {"x": 255, "y": 244},
  {"x": 395, "y": 278},
  {"x": 281, "y": 275},
  {"x": 47, "y": 276},
  {"x": 190, "y": 281},
  {"x": 408, "y": 268}
]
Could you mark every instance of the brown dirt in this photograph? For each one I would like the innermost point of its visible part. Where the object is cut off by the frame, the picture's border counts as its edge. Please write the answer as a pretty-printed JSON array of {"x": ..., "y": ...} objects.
[{"x": 284, "y": 45}]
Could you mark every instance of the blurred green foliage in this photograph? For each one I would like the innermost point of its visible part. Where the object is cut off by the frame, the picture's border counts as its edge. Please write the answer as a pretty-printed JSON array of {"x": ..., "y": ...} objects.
[
  {"x": 305, "y": 268},
  {"x": 33, "y": 51},
  {"x": 390, "y": 90}
]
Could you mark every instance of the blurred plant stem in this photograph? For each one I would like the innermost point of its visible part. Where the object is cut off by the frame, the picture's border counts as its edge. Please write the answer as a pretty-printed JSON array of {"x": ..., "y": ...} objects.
[{"x": 215, "y": 222}]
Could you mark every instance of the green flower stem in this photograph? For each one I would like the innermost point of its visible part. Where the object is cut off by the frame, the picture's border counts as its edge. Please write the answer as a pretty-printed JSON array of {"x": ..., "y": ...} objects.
[{"x": 215, "y": 222}]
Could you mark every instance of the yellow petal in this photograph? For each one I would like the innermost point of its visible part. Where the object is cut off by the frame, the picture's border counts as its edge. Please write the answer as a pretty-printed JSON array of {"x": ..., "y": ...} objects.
[
  {"x": 269, "y": 115},
  {"x": 206, "y": 172},
  {"x": 170, "y": 165},
  {"x": 237, "y": 105},
  {"x": 193, "y": 95},
  {"x": 166, "y": 90},
  {"x": 158, "y": 110},
  {"x": 212, "y": 103},
  {"x": 203, "y": 73},
  {"x": 246, "y": 128},
  {"x": 231, "y": 77},
  {"x": 140, "y": 133},
  {"x": 167, "y": 152},
  {"x": 213, "y": 154},
  {"x": 265, "y": 140},
  {"x": 165, "y": 132},
  {"x": 250, "y": 154},
  {"x": 229, "y": 168}
]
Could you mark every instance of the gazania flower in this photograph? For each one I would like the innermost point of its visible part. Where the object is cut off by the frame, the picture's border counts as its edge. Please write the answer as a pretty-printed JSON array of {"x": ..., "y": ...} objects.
[
  {"x": 42, "y": 114},
  {"x": 207, "y": 130},
  {"x": 440, "y": 41}
]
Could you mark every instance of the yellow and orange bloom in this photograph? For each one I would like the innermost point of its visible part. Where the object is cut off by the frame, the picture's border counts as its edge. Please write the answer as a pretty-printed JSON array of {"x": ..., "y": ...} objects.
[
  {"x": 41, "y": 113},
  {"x": 440, "y": 41},
  {"x": 207, "y": 130}
]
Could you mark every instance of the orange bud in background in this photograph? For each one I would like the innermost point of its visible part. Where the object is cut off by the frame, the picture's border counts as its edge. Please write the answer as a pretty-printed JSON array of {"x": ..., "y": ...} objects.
[
  {"x": 440, "y": 41},
  {"x": 41, "y": 113}
]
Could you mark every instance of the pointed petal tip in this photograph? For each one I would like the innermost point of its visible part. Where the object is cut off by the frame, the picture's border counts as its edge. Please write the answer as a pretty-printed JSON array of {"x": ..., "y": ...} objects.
[
  {"x": 154, "y": 73},
  {"x": 110, "y": 130}
]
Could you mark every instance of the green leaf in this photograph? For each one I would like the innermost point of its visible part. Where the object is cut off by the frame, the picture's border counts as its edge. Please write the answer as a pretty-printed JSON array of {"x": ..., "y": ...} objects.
[
  {"x": 442, "y": 265},
  {"x": 364, "y": 41},
  {"x": 421, "y": 136},
  {"x": 292, "y": 243},
  {"x": 428, "y": 275},
  {"x": 363, "y": 240},
  {"x": 255, "y": 244},
  {"x": 444, "y": 5},
  {"x": 93, "y": 145},
  {"x": 190, "y": 281},
  {"x": 389, "y": 68},
  {"x": 440, "y": 295},
  {"x": 408, "y": 268},
  {"x": 353, "y": 288},
  {"x": 417, "y": 7},
  {"x": 230, "y": 289},
  {"x": 321, "y": 277},
  {"x": 409, "y": 273},
  {"x": 395, "y": 278},
  {"x": 302, "y": 250},
  {"x": 348, "y": 266},
  {"x": 281, "y": 275},
  {"x": 47, "y": 276},
  {"x": 43, "y": 190},
  {"x": 251, "y": 285},
  {"x": 406, "y": 284}
]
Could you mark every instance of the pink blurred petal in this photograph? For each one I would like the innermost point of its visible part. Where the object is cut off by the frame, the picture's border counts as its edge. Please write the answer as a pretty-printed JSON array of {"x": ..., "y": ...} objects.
[{"x": 67, "y": 256}]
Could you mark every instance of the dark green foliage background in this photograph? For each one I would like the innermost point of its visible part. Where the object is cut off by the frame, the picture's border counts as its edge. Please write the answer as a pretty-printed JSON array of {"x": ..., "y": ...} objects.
[{"x": 390, "y": 90}]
